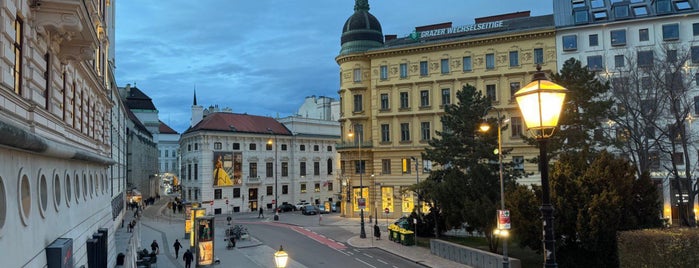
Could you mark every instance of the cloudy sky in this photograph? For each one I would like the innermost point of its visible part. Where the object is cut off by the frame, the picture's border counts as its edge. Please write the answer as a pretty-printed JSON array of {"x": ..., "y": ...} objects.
[{"x": 259, "y": 57}]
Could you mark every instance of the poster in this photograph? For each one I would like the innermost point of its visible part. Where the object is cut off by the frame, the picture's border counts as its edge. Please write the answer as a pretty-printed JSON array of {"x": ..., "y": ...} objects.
[
  {"x": 205, "y": 240},
  {"x": 196, "y": 213},
  {"x": 228, "y": 169}
]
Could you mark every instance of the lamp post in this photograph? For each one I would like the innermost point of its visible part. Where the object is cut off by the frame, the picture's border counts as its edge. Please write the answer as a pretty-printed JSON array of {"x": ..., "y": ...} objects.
[
  {"x": 485, "y": 127},
  {"x": 362, "y": 232},
  {"x": 541, "y": 102},
  {"x": 276, "y": 192},
  {"x": 281, "y": 258}
]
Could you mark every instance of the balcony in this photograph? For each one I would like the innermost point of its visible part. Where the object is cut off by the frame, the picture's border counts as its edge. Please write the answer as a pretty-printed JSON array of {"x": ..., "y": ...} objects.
[
  {"x": 74, "y": 26},
  {"x": 253, "y": 180},
  {"x": 353, "y": 145}
]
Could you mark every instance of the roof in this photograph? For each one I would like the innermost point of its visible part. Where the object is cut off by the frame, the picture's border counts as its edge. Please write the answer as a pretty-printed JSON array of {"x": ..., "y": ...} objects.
[
  {"x": 137, "y": 100},
  {"x": 245, "y": 123},
  {"x": 138, "y": 123},
  {"x": 165, "y": 129}
]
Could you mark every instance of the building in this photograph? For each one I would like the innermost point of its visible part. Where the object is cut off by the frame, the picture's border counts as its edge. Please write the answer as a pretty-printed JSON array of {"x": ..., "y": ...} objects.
[
  {"x": 393, "y": 91},
  {"x": 232, "y": 162},
  {"x": 168, "y": 156},
  {"x": 142, "y": 142},
  {"x": 61, "y": 183},
  {"x": 610, "y": 37}
]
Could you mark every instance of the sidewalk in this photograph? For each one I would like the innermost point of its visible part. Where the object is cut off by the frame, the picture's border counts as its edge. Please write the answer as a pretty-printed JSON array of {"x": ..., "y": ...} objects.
[{"x": 419, "y": 255}]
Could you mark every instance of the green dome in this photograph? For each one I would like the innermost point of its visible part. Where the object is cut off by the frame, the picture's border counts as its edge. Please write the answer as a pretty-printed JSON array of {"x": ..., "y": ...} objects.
[{"x": 362, "y": 31}]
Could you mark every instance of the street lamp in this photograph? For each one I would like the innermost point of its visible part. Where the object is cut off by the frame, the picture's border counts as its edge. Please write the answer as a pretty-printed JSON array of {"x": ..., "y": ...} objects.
[
  {"x": 541, "y": 102},
  {"x": 281, "y": 257},
  {"x": 276, "y": 192},
  {"x": 484, "y": 128},
  {"x": 362, "y": 232}
]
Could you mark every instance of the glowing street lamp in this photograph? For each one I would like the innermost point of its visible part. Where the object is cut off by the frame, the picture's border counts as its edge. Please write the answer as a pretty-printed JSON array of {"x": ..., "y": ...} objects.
[
  {"x": 541, "y": 102},
  {"x": 281, "y": 257}
]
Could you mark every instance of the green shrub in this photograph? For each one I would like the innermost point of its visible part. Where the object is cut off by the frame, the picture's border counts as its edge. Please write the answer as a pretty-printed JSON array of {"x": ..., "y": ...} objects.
[{"x": 659, "y": 248}]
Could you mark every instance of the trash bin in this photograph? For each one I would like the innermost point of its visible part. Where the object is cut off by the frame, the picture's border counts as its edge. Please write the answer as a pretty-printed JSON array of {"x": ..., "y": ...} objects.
[{"x": 407, "y": 238}]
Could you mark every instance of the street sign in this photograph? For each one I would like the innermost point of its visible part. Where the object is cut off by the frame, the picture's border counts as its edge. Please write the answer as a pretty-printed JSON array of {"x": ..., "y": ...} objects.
[
  {"x": 386, "y": 211},
  {"x": 362, "y": 203},
  {"x": 226, "y": 201},
  {"x": 274, "y": 201},
  {"x": 503, "y": 219}
]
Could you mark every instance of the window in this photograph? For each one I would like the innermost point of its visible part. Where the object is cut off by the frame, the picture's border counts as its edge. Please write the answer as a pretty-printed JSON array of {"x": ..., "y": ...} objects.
[
  {"x": 268, "y": 146},
  {"x": 682, "y": 5},
  {"x": 270, "y": 190},
  {"x": 285, "y": 189},
  {"x": 640, "y": 11},
  {"x": 671, "y": 32},
  {"x": 217, "y": 194},
  {"x": 695, "y": 29},
  {"x": 467, "y": 64},
  {"x": 384, "y": 72},
  {"x": 618, "y": 37},
  {"x": 643, "y": 35},
  {"x": 663, "y": 6},
  {"x": 570, "y": 43},
  {"x": 423, "y": 68},
  {"x": 17, "y": 45},
  {"x": 329, "y": 166},
  {"x": 316, "y": 168},
  {"x": 316, "y": 187},
  {"x": 357, "y": 75},
  {"x": 385, "y": 166},
  {"x": 196, "y": 171},
  {"x": 283, "y": 147},
  {"x": 405, "y": 131},
  {"x": 490, "y": 61},
  {"x": 316, "y": 148},
  {"x": 599, "y": 15},
  {"x": 645, "y": 58},
  {"x": 252, "y": 170},
  {"x": 621, "y": 11},
  {"x": 578, "y": 3},
  {"x": 594, "y": 63},
  {"x": 404, "y": 100},
  {"x": 424, "y": 98},
  {"x": 593, "y": 40},
  {"x": 490, "y": 92},
  {"x": 597, "y": 3},
  {"x": 425, "y": 131},
  {"x": 406, "y": 167},
  {"x": 403, "y": 70},
  {"x": 385, "y": 133},
  {"x": 329, "y": 148},
  {"x": 252, "y": 146},
  {"x": 359, "y": 166},
  {"x": 581, "y": 16},
  {"x": 445, "y": 66},
  {"x": 514, "y": 58},
  {"x": 538, "y": 56},
  {"x": 269, "y": 170},
  {"x": 330, "y": 186},
  {"x": 514, "y": 87},
  {"x": 516, "y": 126},
  {"x": 358, "y": 103},
  {"x": 384, "y": 101},
  {"x": 619, "y": 61},
  {"x": 446, "y": 96},
  {"x": 696, "y": 105},
  {"x": 518, "y": 162},
  {"x": 302, "y": 147},
  {"x": 285, "y": 169},
  {"x": 236, "y": 192},
  {"x": 302, "y": 167},
  {"x": 303, "y": 187},
  {"x": 236, "y": 146},
  {"x": 695, "y": 54}
]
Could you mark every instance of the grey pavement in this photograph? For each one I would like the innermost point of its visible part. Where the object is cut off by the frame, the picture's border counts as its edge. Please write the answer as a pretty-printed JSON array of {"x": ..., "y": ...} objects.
[{"x": 160, "y": 224}]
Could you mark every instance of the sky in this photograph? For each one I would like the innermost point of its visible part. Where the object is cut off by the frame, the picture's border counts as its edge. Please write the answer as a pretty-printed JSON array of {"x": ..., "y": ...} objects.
[{"x": 260, "y": 57}]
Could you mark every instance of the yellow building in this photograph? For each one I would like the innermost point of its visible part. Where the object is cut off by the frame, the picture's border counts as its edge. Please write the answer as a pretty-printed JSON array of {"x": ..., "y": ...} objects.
[{"x": 393, "y": 91}]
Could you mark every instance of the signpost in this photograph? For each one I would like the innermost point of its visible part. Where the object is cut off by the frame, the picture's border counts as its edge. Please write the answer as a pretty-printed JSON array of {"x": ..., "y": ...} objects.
[
  {"x": 362, "y": 203},
  {"x": 503, "y": 219}
]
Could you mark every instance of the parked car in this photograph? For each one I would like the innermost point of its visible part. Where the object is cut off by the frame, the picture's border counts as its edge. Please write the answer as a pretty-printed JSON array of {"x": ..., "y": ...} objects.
[
  {"x": 333, "y": 207},
  {"x": 286, "y": 207},
  {"x": 309, "y": 210},
  {"x": 301, "y": 205}
]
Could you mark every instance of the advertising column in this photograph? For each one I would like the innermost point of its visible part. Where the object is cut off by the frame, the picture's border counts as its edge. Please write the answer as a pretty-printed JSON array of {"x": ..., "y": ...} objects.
[
  {"x": 196, "y": 213},
  {"x": 204, "y": 227}
]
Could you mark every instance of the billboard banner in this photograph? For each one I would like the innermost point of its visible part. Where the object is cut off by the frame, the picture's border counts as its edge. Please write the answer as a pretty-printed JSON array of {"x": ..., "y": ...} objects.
[
  {"x": 205, "y": 240},
  {"x": 228, "y": 169}
]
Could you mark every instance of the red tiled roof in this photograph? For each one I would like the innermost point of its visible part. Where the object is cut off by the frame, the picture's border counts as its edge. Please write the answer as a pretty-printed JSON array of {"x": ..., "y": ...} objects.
[
  {"x": 165, "y": 129},
  {"x": 240, "y": 123}
]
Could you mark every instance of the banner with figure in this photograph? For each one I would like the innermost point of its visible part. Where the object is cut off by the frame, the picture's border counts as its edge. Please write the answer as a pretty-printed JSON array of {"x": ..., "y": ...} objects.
[
  {"x": 205, "y": 240},
  {"x": 228, "y": 169}
]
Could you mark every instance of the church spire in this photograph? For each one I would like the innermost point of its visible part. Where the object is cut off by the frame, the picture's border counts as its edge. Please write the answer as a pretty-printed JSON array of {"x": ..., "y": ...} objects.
[
  {"x": 195, "y": 97},
  {"x": 361, "y": 5}
]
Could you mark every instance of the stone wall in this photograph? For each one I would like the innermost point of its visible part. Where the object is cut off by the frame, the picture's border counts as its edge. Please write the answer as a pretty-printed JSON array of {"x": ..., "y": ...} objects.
[{"x": 469, "y": 256}]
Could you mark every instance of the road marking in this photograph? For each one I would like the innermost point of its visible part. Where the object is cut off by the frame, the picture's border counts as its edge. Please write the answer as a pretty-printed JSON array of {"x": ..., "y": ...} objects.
[
  {"x": 367, "y": 264},
  {"x": 382, "y": 261},
  {"x": 368, "y": 255},
  {"x": 343, "y": 252}
]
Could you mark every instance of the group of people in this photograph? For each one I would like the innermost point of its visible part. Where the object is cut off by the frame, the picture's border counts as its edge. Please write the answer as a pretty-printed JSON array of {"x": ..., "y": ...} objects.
[
  {"x": 187, "y": 257},
  {"x": 176, "y": 206}
]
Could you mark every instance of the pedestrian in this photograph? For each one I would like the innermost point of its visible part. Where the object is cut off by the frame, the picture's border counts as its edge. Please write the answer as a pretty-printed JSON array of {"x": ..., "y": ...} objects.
[
  {"x": 174, "y": 207},
  {"x": 177, "y": 246},
  {"x": 188, "y": 257},
  {"x": 154, "y": 247},
  {"x": 377, "y": 232},
  {"x": 261, "y": 215}
]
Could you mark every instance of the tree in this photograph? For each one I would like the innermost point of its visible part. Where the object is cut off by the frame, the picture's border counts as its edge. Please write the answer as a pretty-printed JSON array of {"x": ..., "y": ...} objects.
[
  {"x": 654, "y": 106},
  {"x": 467, "y": 186}
]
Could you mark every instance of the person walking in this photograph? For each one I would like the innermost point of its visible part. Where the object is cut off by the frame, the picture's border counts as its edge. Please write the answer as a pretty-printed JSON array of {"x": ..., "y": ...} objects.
[
  {"x": 261, "y": 215},
  {"x": 177, "y": 246},
  {"x": 154, "y": 247},
  {"x": 188, "y": 257}
]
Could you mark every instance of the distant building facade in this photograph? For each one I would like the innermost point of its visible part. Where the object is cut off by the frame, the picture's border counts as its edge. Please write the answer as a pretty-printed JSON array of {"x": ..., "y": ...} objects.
[
  {"x": 142, "y": 129},
  {"x": 61, "y": 163}
]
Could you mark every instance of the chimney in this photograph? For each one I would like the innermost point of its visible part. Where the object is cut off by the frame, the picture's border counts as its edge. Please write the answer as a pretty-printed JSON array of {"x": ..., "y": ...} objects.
[{"x": 390, "y": 37}]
